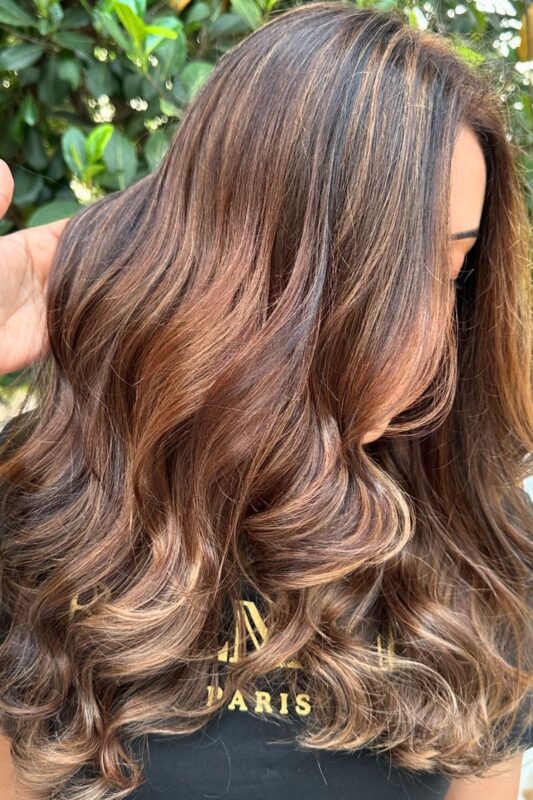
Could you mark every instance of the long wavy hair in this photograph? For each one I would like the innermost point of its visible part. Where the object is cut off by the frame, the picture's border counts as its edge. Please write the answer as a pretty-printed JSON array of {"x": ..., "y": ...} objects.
[{"x": 223, "y": 333}]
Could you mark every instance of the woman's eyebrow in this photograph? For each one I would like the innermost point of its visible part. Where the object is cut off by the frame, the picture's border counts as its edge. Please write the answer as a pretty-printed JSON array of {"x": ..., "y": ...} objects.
[{"x": 466, "y": 234}]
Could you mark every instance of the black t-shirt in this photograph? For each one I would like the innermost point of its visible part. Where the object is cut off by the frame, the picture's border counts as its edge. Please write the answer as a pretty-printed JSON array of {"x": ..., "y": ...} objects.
[
  {"x": 247, "y": 754},
  {"x": 241, "y": 755}
]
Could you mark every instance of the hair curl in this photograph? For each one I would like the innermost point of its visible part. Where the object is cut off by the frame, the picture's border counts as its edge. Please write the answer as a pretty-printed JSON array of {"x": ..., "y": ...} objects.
[{"x": 222, "y": 335}]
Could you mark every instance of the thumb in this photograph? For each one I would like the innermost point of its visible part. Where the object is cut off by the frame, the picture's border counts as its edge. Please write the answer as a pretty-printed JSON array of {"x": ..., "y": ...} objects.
[{"x": 7, "y": 185}]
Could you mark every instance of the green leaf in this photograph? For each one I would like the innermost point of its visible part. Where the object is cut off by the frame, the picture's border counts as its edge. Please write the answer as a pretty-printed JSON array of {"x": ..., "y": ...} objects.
[
  {"x": 169, "y": 109},
  {"x": 30, "y": 76},
  {"x": 68, "y": 69},
  {"x": 135, "y": 127},
  {"x": 157, "y": 33},
  {"x": 478, "y": 17},
  {"x": 171, "y": 57},
  {"x": 109, "y": 25},
  {"x": 5, "y": 226},
  {"x": 131, "y": 22},
  {"x": 193, "y": 76},
  {"x": 148, "y": 91},
  {"x": 160, "y": 32},
  {"x": 73, "y": 148},
  {"x": 137, "y": 6},
  {"x": 198, "y": 12},
  {"x": 131, "y": 85},
  {"x": 55, "y": 14},
  {"x": 15, "y": 129},
  {"x": 51, "y": 89},
  {"x": 417, "y": 18},
  {"x": 27, "y": 186},
  {"x": 57, "y": 209},
  {"x": 77, "y": 42},
  {"x": 97, "y": 140},
  {"x": 467, "y": 54},
  {"x": 74, "y": 18},
  {"x": 100, "y": 80},
  {"x": 20, "y": 56},
  {"x": 12, "y": 14},
  {"x": 120, "y": 158},
  {"x": 46, "y": 26},
  {"x": 249, "y": 11},
  {"x": 92, "y": 170},
  {"x": 168, "y": 21},
  {"x": 56, "y": 166},
  {"x": 229, "y": 24},
  {"x": 34, "y": 152},
  {"x": 155, "y": 148},
  {"x": 10, "y": 150},
  {"x": 29, "y": 110}
]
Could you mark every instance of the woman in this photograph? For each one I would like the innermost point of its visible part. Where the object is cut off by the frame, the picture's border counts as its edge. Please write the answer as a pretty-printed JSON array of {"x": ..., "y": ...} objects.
[{"x": 271, "y": 494}]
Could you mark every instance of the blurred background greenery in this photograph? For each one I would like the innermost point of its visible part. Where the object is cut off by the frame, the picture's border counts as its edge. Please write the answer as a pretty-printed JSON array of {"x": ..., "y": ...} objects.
[{"x": 92, "y": 92}]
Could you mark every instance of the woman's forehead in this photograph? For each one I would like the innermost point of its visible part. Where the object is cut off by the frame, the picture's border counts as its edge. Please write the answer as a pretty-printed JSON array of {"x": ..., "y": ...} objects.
[{"x": 468, "y": 182}]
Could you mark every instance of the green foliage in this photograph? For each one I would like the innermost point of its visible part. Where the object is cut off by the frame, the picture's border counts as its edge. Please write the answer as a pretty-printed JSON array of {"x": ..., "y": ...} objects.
[{"x": 92, "y": 92}]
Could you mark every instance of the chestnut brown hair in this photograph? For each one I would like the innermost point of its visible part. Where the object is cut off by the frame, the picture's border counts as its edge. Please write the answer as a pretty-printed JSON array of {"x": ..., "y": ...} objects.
[{"x": 222, "y": 335}]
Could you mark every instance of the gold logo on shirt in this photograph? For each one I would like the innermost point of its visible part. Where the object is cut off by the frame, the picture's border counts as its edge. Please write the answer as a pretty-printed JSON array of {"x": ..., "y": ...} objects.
[{"x": 257, "y": 633}]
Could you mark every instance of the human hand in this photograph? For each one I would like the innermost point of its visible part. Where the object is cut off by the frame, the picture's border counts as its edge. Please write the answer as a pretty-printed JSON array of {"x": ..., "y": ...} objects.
[{"x": 25, "y": 260}]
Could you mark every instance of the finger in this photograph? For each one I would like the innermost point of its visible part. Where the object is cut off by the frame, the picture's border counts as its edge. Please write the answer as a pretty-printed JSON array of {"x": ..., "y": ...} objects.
[
  {"x": 53, "y": 228},
  {"x": 36, "y": 246},
  {"x": 7, "y": 185}
]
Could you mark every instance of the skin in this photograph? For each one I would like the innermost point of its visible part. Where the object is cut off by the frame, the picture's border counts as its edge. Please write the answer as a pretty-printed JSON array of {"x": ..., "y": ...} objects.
[
  {"x": 467, "y": 194},
  {"x": 25, "y": 259}
]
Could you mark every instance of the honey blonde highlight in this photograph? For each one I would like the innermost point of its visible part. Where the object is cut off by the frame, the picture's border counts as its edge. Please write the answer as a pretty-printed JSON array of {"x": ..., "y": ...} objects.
[{"x": 222, "y": 335}]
